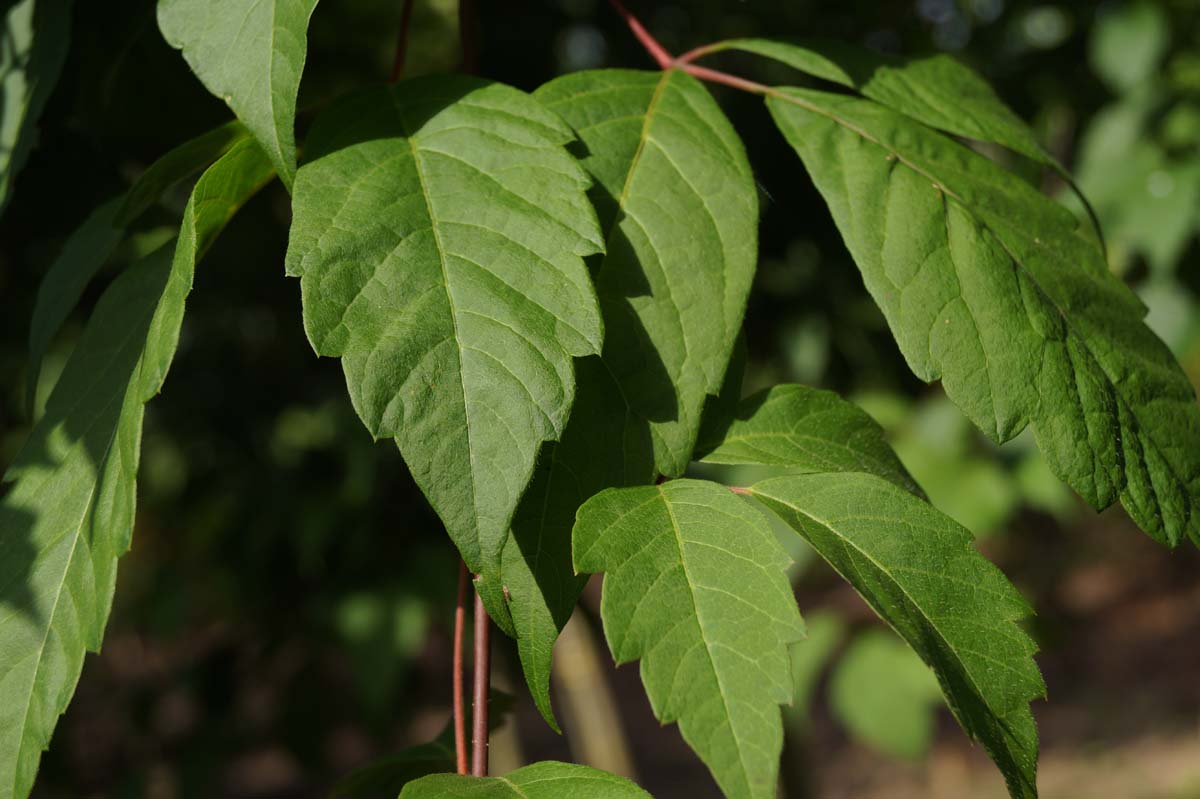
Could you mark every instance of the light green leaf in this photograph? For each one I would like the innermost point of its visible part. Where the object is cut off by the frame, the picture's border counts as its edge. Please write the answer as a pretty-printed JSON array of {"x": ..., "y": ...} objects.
[
  {"x": 678, "y": 202},
  {"x": 1128, "y": 43},
  {"x": 809, "y": 657},
  {"x": 546, "y": 780},
  {"x": 806, "y": 429},
  {"x": 33, "y": 46},
  {"x": 886, "y": 696},
  {"x": 439, "y": 233},
  {"x": 921, "y": 574},
  {"x": 249, "y": 53},
  {"x": 93, "y": 243},
  {"x": 695, "y": 588},
  {"x": 69, "y": 514},
  {"x": 987, "y": 286},
  {"x": 938, "y": 91}
]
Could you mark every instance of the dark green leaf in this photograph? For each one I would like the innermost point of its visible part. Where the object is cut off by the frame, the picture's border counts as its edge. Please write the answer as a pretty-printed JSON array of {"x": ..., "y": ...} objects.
[
  {"x": 921, "y": 574},
  {"x": 987, "y": 286},
  {"x": 439, "y": 233},
  {"x": 695, "y": 588}
]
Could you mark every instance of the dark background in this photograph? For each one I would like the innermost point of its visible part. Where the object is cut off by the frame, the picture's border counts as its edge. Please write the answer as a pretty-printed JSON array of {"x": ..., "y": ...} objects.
[{"x": 283, "y": 615}]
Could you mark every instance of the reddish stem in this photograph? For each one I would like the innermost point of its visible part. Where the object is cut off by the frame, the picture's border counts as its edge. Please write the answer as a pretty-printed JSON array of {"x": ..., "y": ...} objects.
[
  {"x": 665, "y": 60},
  {"x": 402, "y": 41},
  {"x": 460, "y": 720},
  {"x": 697, "y": 53},
  {"x": 745, "y": 492},
  {"x": 714, "y": 76},
  {"x": 482, "y": 678}
]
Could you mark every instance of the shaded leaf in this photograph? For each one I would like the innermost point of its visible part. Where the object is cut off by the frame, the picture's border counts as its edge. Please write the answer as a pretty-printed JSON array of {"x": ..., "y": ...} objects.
[
  {"x": 806, "y": 429},
  {"x": 921, "y": 574},
  {"x": 69, "y": 514},
  {"x": 546, "y": 780},
  {"x": 33, "y": 46},
  {"x": 987, "y": 286},
  {"x": 439, "y": 233},
  {"x": 679, "y": 206},
  {"x": 695, "y": 588},
  {"x": 249, "y": 53}
]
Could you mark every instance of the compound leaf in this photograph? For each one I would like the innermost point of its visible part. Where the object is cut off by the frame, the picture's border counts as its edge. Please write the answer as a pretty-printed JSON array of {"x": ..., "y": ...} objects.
[
  {"x": 249, "y": 53},
  {"x": 69, "y": 514},
  {"x": 805, "y": 429},
  {"x": 695, "y": 587},
  {"x": 919, "y": 571},
  {"x": 986, "y": 284},
  {"x": 545, "y": 780},
  {"x": 439, "y": 233},
  {"x": 676, "y": 197}
]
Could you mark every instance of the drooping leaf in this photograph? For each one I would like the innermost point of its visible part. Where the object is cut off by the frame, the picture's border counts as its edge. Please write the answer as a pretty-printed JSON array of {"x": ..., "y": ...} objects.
[
  {"x": 92, "y": 244},
  {"x": 885, "y": 696},
  {"x": 695, "y": 588},
  {"x": 806, "y": 429},
  {"x": 33, "y": 46},
  {"x": 987, "y": 286},
  {"x": 249, "y": 53},
  {"x": 678, "y": 204},
  {"x": 921, "y": 574},
  {"x": 546, "y": 780},
  {"x": 939, "y": 91},
  {"x": 439, "y": 233},
  {"x": 69, "y": 514}
]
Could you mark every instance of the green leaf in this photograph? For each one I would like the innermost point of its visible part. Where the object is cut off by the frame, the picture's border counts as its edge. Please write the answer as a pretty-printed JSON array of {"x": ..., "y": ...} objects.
[
  {"x": 676, "y": 195},
  {"x": 93, "y": 243},
  {"x": 678, "y": 202},
  {"x": 546, "y": 780},
  {"x": 921, "y": 574},
  {"x": 33, "y": 47},
  {"x": 69, "y": 514},
  {"x": 938, "y": 91},
  {"x": 249, "y": 53},
  {"x": 1128, "y": 43},
  {"x": 695, "y": 588},
  {"x": 809, "y": 657},
  {"x": 987, "y": 286},
  {"x": 886, "y": 696},
  {"x": 805, "y": 429},
  {"x": 439, "y": 233}
]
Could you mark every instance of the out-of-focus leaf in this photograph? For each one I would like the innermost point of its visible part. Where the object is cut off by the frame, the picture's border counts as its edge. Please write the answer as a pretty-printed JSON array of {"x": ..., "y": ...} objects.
[
  {"x": 33, "y": 46},
  {"x": 1128, "y": 43},
  {"x": 885, "y": 696}
]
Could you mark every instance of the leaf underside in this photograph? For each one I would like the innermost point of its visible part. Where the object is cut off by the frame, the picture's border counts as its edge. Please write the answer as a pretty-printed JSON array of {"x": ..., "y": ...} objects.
[
  {"x": 69, "y": 514},
  {"x": 920, "y": 572},
  {"x": 439, "y": 233},
  {"x": 695, "y": 588},
  {"x": 678, "y": 206},
  {"x": 987, "y": 286},
  {"x": 546, "y": 780},
  {"x": 249, "y": 53}
]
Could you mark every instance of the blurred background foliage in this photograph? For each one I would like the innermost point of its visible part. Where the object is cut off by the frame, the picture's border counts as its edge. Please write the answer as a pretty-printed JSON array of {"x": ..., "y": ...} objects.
[{"x": 283, "y": 616}]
